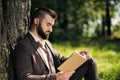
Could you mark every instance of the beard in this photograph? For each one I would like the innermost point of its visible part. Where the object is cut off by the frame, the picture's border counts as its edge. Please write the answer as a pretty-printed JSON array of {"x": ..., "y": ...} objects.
[{"x": 41, "y": 32}]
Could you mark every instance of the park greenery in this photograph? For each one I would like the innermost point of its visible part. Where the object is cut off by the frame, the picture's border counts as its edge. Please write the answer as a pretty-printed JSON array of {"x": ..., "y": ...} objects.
[
  {"x": 106, "y": 53},
  {"x": 91, "y": 18}
]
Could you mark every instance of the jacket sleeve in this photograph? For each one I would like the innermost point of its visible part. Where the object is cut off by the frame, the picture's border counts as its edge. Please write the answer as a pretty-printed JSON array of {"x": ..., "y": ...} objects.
[{"x": 23, "y": 65}]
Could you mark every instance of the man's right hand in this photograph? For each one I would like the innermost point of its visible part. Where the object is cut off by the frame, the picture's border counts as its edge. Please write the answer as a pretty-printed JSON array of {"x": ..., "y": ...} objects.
[{"x": 64, "y": 75}]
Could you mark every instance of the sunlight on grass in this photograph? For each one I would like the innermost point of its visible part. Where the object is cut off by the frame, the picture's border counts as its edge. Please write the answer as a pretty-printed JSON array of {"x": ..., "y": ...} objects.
[
  {"x": 116, "y": 34},
  {"x": 106, "y": 55}
]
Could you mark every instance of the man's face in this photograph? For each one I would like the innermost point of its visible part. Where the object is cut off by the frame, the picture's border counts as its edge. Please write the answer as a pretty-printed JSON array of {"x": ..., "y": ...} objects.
[{"x": 45, "y": 27}]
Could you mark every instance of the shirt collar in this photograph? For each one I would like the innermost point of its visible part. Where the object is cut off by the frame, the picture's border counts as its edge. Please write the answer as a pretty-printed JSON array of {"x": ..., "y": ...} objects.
[{"x": 36, "y": 38}]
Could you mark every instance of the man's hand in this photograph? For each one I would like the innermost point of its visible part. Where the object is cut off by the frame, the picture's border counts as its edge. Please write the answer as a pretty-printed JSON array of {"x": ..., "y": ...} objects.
[
  {"x": 64, "y": 75},
  {"x": 86, "y": 55}
]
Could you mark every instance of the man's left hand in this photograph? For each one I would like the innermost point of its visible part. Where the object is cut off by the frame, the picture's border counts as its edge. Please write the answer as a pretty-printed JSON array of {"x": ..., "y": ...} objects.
[{"x": 86, "y": 55}]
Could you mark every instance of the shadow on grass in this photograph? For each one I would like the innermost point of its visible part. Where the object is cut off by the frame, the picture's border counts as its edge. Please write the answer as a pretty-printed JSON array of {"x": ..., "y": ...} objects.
[{"x": 97, "y": 43}]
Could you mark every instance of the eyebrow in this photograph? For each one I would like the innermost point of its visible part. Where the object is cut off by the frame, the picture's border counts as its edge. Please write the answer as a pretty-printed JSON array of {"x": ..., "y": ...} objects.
[{"x": 49, "y": 23}]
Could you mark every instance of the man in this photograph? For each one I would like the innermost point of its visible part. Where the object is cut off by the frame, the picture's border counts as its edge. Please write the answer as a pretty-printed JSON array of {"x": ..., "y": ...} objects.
[{"x": 35, "y": 59}]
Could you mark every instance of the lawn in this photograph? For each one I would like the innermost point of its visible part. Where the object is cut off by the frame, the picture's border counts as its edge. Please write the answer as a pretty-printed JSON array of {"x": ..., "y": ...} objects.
[{"x": 106, "y": 53}]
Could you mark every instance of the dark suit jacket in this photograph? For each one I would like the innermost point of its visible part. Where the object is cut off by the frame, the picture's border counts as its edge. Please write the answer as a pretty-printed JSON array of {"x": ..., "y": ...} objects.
[{"x": 29, "y": 64}]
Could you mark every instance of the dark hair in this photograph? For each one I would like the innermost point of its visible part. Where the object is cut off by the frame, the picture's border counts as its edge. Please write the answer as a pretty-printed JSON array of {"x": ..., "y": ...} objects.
[{"x": 40, "y": 13}]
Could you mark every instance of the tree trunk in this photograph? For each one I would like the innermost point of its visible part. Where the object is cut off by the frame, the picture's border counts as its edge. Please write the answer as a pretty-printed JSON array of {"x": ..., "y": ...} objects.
[
  {"x": 103, "y": 25},
  {"x": 14, "y": 20},
  {"x": 108, "y": 18}
]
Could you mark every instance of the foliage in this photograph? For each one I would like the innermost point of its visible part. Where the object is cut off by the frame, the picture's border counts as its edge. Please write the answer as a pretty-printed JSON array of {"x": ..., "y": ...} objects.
[
  {"x": 106, "y": 53},
  {"x": 77, "y": 17}
]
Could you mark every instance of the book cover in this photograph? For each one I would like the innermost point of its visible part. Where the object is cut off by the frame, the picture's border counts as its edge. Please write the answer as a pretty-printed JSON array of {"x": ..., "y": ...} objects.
[{"x": 72, "y": 63}]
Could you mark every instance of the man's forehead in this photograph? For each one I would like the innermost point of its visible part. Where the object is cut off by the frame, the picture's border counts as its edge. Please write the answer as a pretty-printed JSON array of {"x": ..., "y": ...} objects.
[{"x": 49, "y": 19}]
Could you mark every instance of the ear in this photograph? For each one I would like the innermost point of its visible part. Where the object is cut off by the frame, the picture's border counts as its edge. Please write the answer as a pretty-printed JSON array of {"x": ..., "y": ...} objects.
[{"x": 36, "y": 21}]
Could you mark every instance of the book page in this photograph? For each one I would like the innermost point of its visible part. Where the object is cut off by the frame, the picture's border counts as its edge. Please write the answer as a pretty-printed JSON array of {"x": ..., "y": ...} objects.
[{"x": 72, "y": 63}]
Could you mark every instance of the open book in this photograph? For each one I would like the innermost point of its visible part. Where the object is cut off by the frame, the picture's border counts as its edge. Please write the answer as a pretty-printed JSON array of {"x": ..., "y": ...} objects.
[{"x": 72, "y": 63}]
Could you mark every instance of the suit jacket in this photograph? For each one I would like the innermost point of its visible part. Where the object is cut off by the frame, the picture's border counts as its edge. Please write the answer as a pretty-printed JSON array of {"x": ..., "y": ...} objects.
[{"x": 29, "y": 63}]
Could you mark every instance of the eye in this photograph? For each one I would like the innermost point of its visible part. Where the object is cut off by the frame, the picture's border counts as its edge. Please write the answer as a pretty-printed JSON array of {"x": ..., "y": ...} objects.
[{"x": 48, "y": 24}]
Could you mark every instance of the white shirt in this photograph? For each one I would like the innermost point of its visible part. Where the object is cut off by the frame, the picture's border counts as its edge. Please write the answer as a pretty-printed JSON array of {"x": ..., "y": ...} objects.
[{"x": 44, "y": 55}]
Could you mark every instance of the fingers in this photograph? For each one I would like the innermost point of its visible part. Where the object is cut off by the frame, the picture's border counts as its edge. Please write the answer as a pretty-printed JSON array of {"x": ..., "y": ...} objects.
[
  {"x": 69, "y": 73},
  {"x": 64, "y": 75},
  {"x": 87, "y": 54},
  {"x": 83, "y": 55}
]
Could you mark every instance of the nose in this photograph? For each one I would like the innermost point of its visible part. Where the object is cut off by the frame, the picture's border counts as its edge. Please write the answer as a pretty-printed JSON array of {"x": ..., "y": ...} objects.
[{"x": 50, "y": 29}]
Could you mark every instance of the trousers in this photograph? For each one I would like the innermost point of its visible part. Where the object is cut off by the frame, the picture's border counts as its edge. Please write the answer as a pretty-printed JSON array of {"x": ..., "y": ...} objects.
[{"x": 88, "y": 71}]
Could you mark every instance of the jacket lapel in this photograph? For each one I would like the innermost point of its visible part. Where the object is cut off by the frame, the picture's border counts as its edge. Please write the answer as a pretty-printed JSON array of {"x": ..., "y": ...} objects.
[
  {"x": 37, "y": 48},
  {"x": 40, "y": 53}
]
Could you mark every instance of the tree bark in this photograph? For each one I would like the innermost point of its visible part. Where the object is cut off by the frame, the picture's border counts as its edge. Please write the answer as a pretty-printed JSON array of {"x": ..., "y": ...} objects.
[{"x": 14, "y": 21}]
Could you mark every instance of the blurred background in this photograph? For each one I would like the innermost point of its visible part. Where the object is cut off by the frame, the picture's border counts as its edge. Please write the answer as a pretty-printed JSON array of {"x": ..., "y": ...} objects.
[
  {"x": 92, "y": 25},
  {"x": 88, "y": 18}
]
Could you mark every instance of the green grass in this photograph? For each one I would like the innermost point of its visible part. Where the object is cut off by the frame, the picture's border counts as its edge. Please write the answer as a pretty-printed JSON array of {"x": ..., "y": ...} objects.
[{"x": 106, "y": 53}]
